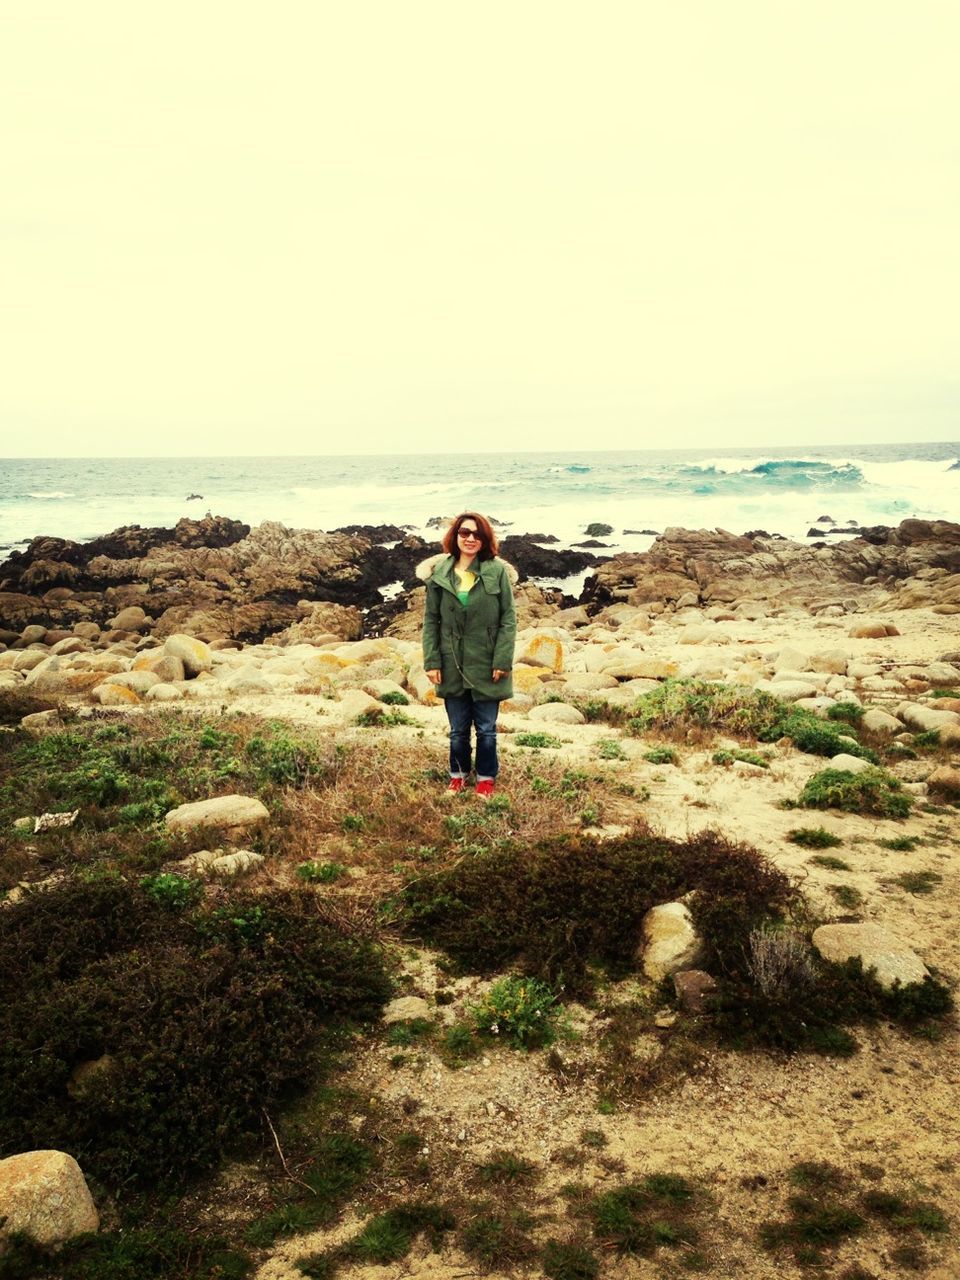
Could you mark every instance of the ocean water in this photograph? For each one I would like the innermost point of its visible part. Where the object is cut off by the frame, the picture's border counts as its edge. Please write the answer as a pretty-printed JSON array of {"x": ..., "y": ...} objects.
[{"x": 784, "y": 490}]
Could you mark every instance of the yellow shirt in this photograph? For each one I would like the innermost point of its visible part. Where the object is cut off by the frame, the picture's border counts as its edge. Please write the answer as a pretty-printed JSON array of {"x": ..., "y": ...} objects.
[{"x": 465, "y": 581}]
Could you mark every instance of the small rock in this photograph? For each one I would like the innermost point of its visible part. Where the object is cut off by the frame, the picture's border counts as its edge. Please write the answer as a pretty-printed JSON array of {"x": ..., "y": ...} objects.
[
  {"x": 665, "y": 1018},
  {"x": 670, "y": 942},
  {"x": 163, "y": 693},
  {"x": 872, "y": 630},
  {"x": 116, "y": 695},
  {"x": 44, "y": 1195},
  {"x": 945, "y": 781},
  {"x": 405, "y": 1009},
  {"x": 222, "y": 811},
  {"x": 850, "y": 764},
  {"x": 877, "y": 721},
  {"x": 42, "y": 722},
  {"x": 557, "y": 713},
  {"x": 692, "y": 987},
  {"x": 238, "y": 863},
  {"x": 132, "y": 618},
  {"x": 50, "y": 821}
]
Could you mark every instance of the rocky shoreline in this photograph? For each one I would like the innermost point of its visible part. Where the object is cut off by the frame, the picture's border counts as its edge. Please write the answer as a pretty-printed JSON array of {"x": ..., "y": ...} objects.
[{"x": 218, "y": 580}]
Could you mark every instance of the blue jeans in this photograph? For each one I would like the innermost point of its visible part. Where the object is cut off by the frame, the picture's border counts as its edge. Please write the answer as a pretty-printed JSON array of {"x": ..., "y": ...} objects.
[{"x": 462, "y": 712}]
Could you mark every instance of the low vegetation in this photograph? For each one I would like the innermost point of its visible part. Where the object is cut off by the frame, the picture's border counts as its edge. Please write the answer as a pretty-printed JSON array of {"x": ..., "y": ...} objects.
[
  {"x": 259, "y": 977},
  {"x": 873, "y": 791}
]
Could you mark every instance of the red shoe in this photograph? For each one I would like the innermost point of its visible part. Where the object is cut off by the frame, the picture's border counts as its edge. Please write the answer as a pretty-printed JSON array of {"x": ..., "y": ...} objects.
[
  {"x": 485, "y": 788},
  {"x": 456, "y": 784}
]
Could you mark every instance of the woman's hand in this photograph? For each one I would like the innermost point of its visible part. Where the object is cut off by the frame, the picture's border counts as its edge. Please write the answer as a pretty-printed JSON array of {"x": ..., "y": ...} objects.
[
  {"x": 435, "y": 676},
  {"x": 498, "y": 674}
]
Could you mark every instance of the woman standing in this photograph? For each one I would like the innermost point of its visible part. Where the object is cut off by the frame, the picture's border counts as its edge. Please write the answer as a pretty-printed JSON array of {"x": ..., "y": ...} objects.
[{"x": 469, "y": 631}]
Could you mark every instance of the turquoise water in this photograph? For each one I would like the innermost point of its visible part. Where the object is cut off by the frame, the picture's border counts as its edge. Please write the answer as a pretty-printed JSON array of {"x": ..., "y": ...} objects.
[{"x": 781, "y": 490}]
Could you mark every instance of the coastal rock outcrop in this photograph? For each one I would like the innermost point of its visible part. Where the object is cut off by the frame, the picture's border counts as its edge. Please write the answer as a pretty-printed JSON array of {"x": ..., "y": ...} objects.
[{"x": 918, "y": 562}]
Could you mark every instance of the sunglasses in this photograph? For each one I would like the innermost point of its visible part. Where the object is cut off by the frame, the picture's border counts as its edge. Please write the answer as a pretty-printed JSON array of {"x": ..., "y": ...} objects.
[{"x": 469, "y": 534}]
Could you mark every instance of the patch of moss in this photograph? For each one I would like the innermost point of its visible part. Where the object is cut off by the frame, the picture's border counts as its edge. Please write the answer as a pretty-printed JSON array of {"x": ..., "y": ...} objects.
[{"x": 830, "y": 862}]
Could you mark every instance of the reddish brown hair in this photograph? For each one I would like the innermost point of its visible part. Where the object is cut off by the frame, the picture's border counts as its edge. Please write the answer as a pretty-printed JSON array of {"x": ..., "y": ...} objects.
[{"x": 489, "y": 546}]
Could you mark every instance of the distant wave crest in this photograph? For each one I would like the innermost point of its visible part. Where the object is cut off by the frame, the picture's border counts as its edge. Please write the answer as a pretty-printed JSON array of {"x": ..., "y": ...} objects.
[
  {"x": 52, "y": 495},
  {"x": 780, "y": 473}
]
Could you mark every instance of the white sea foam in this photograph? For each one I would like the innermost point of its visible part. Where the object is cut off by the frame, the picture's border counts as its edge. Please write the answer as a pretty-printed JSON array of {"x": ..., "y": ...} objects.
[{"x": 50, "y": 497}]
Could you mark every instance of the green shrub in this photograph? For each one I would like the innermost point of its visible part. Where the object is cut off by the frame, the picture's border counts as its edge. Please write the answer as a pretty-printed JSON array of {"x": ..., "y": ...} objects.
[
  {"x": 135, "y": 1253},
  {"x": 918, "y": 882},
  {"x": 846, "y": 712},
  {"x": 661, "y": 755},
  {"x": 522, "y": 1011},
  {"x": 814, "y": 838},
  {"x": 846, "y": 896},
  {"x": 321, "y": 872},
  {"x": 394, "y": 698},
  {"x": 374, "y": 718},
  {"x": 900, "y": 844},
  {"x": 537, "y": 740},
  {"x": 903, "y": 1213},
  {"x": 830, "y": 862},
  {"x": 284, "y": 759},
  {"x": 339, "y": 1165},
  {"x": 677, "y": 706},
  {"x": 173, "y": 892},
  {"x": 640, "y": 1217},
  {"x": 748, "y": 757},
  {"x": 504, "y": 1167},
  {"x": 200, "y": 1019},
  {"x": 610, "y": 749},
  {"x": 818, "y": 737},
  {"x": 873, "y": 791},
  {"x": 498, "y": 1238},
  {"x": 927, "y": 741},
  {"x": 575, "y": 902},
  {"x": 568, "y": 1261},
  {"x": 388, "y": 1237},
  {"x": 811, "y": 1015}
]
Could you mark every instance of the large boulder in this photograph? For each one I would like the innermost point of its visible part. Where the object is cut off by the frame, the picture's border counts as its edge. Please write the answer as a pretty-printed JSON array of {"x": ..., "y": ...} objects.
[
  {"x": 891, "y": 960},
  {"x": 43, "y": 1194},
  {"x": 193, "y": 653},
  {"x": 222, "y": 811}
]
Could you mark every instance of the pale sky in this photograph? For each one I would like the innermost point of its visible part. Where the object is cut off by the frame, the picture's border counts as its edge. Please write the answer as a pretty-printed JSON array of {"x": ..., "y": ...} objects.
[{"x": 317, "y": 227}]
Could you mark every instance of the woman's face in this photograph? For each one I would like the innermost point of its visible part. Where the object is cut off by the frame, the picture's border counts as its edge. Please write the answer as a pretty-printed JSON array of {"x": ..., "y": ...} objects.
[{"x": 468, "y": 538}]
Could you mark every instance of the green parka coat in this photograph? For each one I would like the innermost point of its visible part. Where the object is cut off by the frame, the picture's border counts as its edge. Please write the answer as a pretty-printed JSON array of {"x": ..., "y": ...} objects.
[{"x": 468, "y": 643}]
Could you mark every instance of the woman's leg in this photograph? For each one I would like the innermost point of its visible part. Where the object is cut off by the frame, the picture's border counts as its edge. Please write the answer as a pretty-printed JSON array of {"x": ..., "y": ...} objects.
[
  {"x": 459, "y": 715},
  {"x": 485, "y": 719}
]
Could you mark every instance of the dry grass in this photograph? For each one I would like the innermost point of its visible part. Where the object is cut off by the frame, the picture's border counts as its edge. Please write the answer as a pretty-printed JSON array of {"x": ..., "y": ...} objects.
[{"x": 387, "y": 811}]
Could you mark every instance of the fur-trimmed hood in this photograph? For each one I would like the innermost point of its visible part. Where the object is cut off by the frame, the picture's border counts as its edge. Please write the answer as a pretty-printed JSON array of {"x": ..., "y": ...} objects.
[{"x": 425, "y": 568}]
